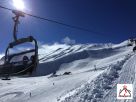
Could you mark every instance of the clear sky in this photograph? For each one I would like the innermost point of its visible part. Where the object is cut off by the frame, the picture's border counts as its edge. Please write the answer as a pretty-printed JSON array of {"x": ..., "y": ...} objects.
[{"x": 114, "y": 19}]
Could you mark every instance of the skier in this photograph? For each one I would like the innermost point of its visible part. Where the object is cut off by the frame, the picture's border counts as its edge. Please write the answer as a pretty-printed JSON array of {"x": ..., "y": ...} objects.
[
  {"x": 95, "y": 67},
  {"x": 30, "y": 94}
]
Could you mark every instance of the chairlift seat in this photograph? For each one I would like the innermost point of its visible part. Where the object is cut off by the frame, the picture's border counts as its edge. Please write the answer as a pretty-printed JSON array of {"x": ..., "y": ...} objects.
[{"x": 17, "y": 67}]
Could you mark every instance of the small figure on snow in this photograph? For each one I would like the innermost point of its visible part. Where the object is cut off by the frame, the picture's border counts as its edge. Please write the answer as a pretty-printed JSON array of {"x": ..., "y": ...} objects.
[
  {"x": 53, "y": 84},
  {"x": 30, "y": 94},
  {"x": 95, "y": 68}
]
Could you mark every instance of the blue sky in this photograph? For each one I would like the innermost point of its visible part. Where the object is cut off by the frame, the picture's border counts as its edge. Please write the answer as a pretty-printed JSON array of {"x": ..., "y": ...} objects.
[{"x": 114, "y": 19}]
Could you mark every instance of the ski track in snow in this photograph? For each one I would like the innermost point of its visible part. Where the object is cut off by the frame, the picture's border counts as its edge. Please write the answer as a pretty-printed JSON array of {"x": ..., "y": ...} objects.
[
  {"x": 95, "y": 90},
  {"x": 127, "y": 76},
  {"x": 134, "y": 81},
  {"x": 84, "y": 94}
]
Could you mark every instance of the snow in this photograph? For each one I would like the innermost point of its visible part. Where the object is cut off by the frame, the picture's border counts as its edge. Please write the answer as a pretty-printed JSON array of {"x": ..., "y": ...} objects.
[
  {"x": 95, "y": 71},
  {"x": 97, "y": 89},
  {"x": 1, "y": 55},
  {"x": 42, "y": 88}
]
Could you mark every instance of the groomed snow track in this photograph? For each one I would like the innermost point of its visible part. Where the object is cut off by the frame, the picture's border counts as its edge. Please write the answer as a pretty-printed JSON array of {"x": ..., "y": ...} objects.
[{"x": 104, "y": 87}]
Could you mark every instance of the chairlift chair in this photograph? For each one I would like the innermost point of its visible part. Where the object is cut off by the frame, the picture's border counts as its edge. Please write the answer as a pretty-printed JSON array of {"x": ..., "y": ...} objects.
[
  {"x": 10, "y": 68},
  {"x": 24, "y": 66}
]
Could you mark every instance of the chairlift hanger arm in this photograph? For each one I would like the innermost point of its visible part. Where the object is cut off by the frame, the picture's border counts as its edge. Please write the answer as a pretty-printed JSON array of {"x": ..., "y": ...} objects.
[{"x": 16, "y": 20}]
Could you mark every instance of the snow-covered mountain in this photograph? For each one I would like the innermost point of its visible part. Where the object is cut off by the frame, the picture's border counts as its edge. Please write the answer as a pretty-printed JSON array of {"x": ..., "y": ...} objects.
[
  {"x": 74, "y": 73},
  {"x": 78, "y": 57}
]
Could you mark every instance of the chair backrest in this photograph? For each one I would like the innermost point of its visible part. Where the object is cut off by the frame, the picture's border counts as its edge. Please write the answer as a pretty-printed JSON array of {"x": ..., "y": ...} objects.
[{"x": 18, "y": 42}]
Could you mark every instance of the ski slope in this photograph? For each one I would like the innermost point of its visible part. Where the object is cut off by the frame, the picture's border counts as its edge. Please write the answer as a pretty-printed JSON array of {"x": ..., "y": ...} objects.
[
  {"x": 127, "y": 75},
  {"x": 95, "y": 71}
]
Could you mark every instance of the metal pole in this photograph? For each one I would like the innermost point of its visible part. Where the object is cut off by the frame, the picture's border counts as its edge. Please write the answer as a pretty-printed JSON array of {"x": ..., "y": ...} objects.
[{"x": 16, "y": 20}]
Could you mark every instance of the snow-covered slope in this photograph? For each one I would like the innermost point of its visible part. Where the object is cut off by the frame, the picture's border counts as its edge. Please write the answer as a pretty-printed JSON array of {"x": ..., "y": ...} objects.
[
  {"x": 80, "y": 57},
  {"x": 92, "y": 67}
]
